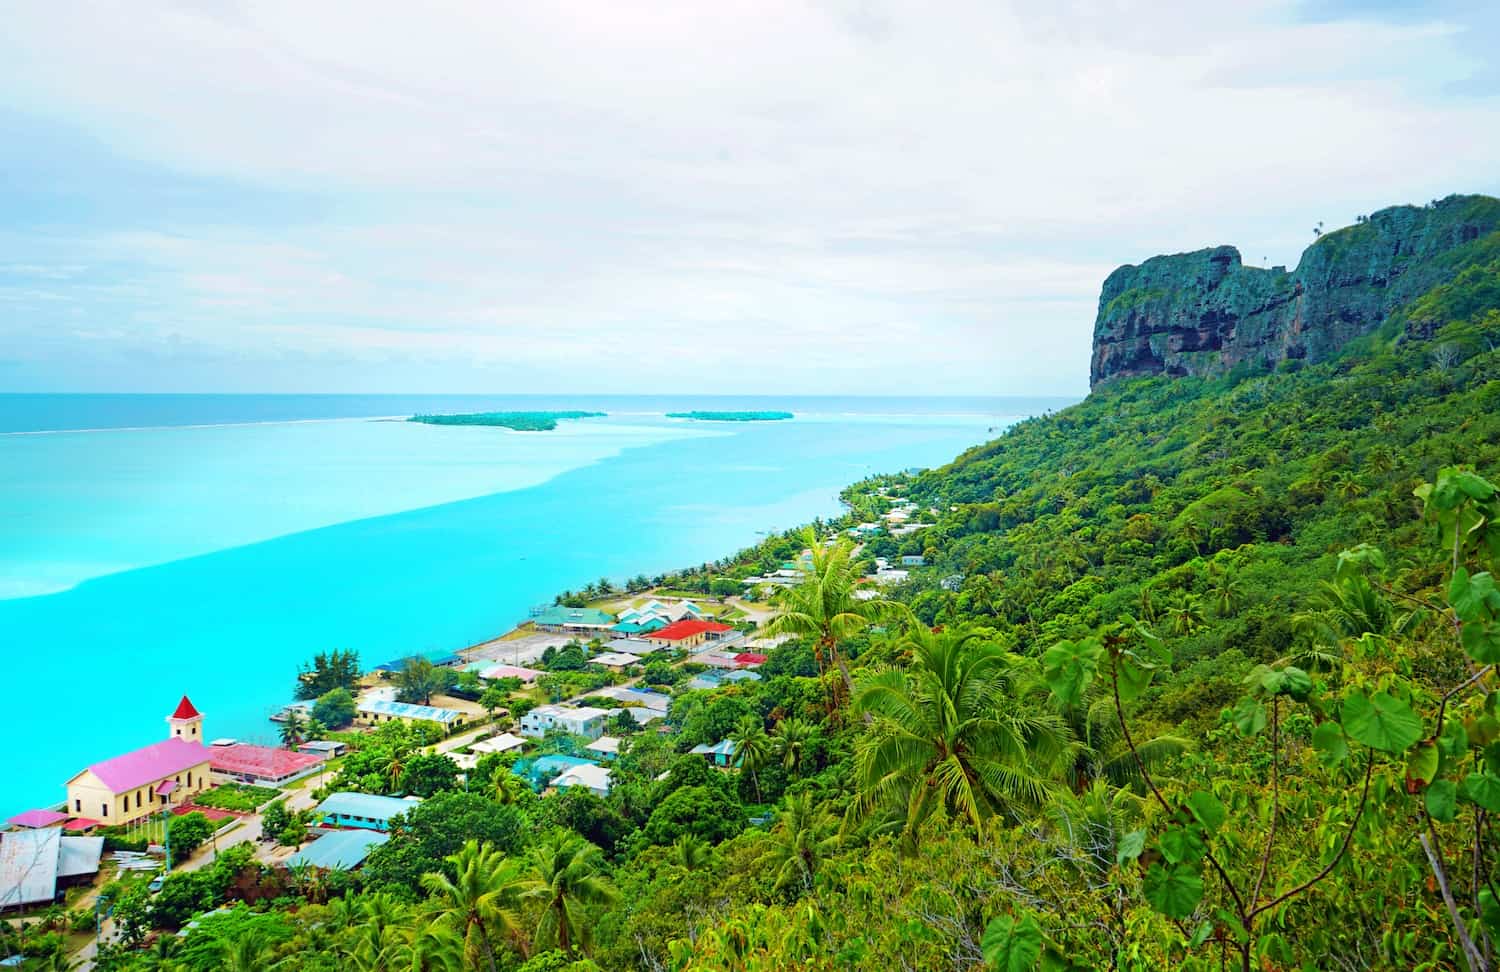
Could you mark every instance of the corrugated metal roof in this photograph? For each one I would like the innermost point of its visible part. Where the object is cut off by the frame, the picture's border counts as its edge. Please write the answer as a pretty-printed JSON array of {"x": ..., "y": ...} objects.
[
  {"x": 370, "y": 805},
  {"x": 28, "y": 866},
  {"x": 406, "y": 710},
  {"x": 77, "y": 856},
  {"x": 339, "y": 851}
]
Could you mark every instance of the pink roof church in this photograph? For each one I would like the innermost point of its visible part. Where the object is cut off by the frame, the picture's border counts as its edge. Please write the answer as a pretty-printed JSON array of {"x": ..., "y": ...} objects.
[{"x": 148, "y": 780}]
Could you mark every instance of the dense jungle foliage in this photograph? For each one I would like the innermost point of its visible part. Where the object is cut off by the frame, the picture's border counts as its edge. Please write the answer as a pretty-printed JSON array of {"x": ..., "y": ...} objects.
[{"x": 1197, "y": 674}]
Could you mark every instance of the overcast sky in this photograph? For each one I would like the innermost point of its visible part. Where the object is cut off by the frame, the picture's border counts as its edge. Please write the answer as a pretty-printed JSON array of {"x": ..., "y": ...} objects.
[{"x": 766, "y": 196}]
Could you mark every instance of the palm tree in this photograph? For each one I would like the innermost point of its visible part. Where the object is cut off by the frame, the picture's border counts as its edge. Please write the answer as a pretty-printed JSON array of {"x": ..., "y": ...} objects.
[
  {"x": 1101, "y": 753},
  {"x": 249, "y": 952},
  {"x": 1227, "y": 593},
  {"x": 793, "y": 738},
  {"x": 753, "y": 749},
  {"x": 314, "y": 730},
  {"x": 508, "y": 787},
  {"x": 292, "y": 730},
  {"x": 961, "y": 728},
  {"x": 823, "y": 608},
  {"x": 1186, "y": 613},
  {"x": 803, "y": 835},
  {"x": 567, "y": 870},
  {"x": 483, "y": 901},
  {"x": 692, "y": 852}
]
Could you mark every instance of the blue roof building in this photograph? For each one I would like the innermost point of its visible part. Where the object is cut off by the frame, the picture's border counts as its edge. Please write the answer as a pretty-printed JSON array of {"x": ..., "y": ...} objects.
[
  {"x": 720, "y": 753},
  {"x": 363, "y": 811},
  {"x": 342, "y": 850},
  {"x": 381, "y": 710}
]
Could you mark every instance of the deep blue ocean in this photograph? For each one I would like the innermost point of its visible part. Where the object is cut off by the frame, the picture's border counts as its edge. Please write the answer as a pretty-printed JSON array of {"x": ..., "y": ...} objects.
[{"x": 152, "y": 546}]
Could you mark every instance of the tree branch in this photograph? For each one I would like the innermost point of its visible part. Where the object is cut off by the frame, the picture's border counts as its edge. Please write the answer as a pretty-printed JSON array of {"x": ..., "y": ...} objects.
[
  {"x": 1364, "y": 796},
  {"x": 1476, "y": 961},
  {"x": 1265, "y": 857},
  {"x": 1239, "y": 903}
]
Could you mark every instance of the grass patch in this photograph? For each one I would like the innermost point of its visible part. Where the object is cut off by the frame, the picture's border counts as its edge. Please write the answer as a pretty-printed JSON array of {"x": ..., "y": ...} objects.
[{"x": 240, "y": 797}]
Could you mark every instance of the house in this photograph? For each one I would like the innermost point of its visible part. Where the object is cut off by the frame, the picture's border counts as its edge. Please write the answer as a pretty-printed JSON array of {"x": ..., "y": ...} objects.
[
  {"x": 36, "y": 819},
  {"x": 631, "y": 646},
  {"x": 539, "y": 772},
  {"x": 587, "y": 621},
  {"x": 578, "y": 721},
  {"x": 606, "y": 747},
  {"x": 323, "y": 748},
  {"x": 916, "y": 560},
  {"x": 363, "y": 811},
  {"x": 592, "y": 777},
  {"x": 495, "y": 672},
  {"x": 633, "y": 697},
  {"x": 376, "y": 711},
  {"x": 259, "y": 764},
  {"x": 38, "y": 864},
  {"x": 688, "y": 634},
  {"x": 147, "y": 780},
  {"x": 717, "y": 678},
  {"x": 720, "y": 753},
  {"x": 631, "y": 629},
  {"x": 503, "y": 743},
  {"x": 749, "y": 659},
  {"x": 342, "y": 850},
  {"x": 614, "y": 659}
]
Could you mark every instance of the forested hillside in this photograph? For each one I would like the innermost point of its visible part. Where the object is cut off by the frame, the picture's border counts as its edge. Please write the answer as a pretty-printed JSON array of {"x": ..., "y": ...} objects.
[{"x": 1198, "y": 673}]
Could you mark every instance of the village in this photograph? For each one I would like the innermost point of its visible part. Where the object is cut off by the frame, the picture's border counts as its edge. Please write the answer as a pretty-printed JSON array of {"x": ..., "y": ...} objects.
[{"x": 556, "y": 700}]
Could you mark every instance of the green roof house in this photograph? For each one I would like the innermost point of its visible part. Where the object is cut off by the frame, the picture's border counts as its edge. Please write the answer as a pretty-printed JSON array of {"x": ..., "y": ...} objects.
[{"x": 559, "y": 618}]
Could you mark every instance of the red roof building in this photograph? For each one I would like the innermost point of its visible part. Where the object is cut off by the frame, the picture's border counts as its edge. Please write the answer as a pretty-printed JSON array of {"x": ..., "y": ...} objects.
[
  {"x": 185, "y": 710},
  {"x": 686, "y": 633},
  {"x": 749, "y": 659},
  {"x": 259, "y": 763}
]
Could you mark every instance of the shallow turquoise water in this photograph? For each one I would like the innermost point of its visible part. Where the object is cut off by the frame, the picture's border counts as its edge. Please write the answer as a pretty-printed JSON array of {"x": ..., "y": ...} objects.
[{"x": 212, "y": 561}]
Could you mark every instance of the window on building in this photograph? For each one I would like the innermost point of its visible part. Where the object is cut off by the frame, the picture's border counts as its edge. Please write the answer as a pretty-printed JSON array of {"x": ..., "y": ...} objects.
[
  {"x": 190, "y": 777},
  {"x": 179, "y": 730},
  {"x": 78, "y": 806},
  {"x": 105, "y": 808}
]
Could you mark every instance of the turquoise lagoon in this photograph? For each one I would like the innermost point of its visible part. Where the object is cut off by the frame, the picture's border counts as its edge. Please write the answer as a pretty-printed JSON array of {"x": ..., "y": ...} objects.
[{"x": 208, "y": 544}]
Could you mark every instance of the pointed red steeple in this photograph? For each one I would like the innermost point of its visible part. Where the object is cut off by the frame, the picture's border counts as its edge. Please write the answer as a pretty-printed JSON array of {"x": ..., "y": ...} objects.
[{"x": 185, "y": 710}]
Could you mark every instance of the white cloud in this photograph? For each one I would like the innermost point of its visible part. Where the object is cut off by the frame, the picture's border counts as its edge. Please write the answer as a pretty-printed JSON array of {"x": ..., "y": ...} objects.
[{"x": 937, "y": 190}]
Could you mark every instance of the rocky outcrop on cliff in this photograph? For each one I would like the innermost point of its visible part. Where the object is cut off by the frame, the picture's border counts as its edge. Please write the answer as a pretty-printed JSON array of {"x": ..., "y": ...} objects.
[{"x": 1206, "y": 313}]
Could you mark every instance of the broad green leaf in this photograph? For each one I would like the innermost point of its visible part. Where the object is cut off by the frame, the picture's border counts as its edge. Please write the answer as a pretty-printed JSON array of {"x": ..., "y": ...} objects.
[
  {"x": 1328, "y": 740},
  {"x": 1133, "y": 675},
  {"x": 1489, "y": 911},
  {"x": 1473, "y": 486},
  {"x": 1296, "y": 683},
  {"x": 1180, "y": 844},
  {"x": 1422, "y": 763},
  {"x": 1481, "y": 640},
  {"x": 1174, "y": 890},
  {"x": 1130, "y": 846},
  {"x": 1207, "y": 810},
  {"x": 1249, "y": 716},
  {"x": 1383, "y": 722},
  {"x": 1068, "y": 667},
  {"x": 1471, "y": 597},
  {"x": 1201, "y": 934},
  {"x": 1454, "y": 740},
  {"x": 1483, "y": 790},
  {"x": 1442, "y": 800},
  {"x": 1012, "y": 945}
]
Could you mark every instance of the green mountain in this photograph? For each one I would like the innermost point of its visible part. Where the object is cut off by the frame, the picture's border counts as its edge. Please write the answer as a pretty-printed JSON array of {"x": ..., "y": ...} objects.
[
  {"x": 1206, "y": 313},
  {"x": 1196, "y": 674}
]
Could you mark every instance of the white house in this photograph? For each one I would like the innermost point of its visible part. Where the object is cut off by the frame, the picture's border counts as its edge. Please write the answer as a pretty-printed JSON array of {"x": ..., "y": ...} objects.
[
  {"x": 578, "y": 721},
  {"x": 594, "y": 778}
]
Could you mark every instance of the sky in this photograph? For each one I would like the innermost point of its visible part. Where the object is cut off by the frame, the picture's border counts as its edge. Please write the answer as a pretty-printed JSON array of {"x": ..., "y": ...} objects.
[{"x": 859, "y": 197}]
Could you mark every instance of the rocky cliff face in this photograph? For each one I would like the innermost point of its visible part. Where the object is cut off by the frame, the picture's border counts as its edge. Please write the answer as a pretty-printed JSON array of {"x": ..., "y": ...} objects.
[{"x": 1204, "y": 313}]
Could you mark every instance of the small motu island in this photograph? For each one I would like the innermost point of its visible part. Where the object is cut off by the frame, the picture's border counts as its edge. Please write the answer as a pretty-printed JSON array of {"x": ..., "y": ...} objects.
[
  {"x": 732, "y": 416},
  {"x": 516, "y": 421}
]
